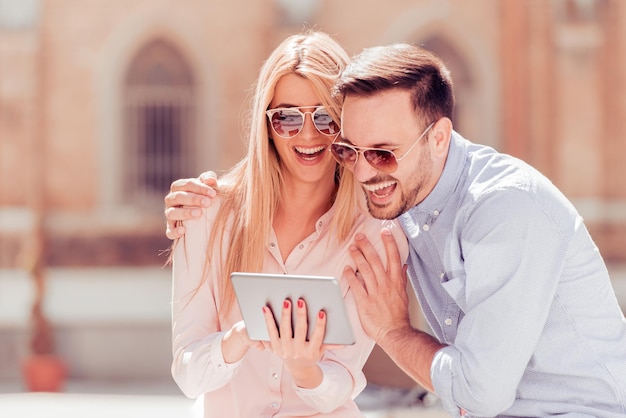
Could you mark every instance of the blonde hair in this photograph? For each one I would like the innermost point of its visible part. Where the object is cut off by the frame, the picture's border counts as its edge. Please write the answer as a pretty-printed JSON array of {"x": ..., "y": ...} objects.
[{"x": 251, "y": 189}]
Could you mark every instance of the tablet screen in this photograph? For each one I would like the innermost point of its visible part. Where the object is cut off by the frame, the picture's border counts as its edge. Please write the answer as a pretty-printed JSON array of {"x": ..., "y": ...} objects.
[{"x": 255, "y": 290}]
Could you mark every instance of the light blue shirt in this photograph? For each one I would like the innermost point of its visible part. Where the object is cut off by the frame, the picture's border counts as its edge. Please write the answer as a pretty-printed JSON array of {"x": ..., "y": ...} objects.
[{"x": 509, "y": 278}]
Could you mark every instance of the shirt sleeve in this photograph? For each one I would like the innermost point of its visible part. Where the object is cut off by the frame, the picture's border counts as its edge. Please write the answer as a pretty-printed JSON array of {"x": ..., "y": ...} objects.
[
  {"x": 334, "y": 390},
  {"x": 343, "y": 368},
  {"x": 513, "y": 255},
  {"x": 198, "y": 364}
]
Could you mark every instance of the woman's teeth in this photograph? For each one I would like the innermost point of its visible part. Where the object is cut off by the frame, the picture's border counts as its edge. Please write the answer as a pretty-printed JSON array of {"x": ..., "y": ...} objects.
[{"x": 309, "y": 153}]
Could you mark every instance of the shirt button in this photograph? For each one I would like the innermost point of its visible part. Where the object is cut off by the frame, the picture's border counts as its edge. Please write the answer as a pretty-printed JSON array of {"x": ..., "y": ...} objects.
[
  {"x": 301, "y": 246},
  {"x": 436, "y": 212},
  {"x": 272, "y": 245},
  {"x": 442, "y": 275},
  {"x": 448, "y": 321},
  {"x": 320, "y": 223},
  {"x": 274, "y": 405},
  {"x": 274, "y": 376},
  {"x": 426, "y": 227}
]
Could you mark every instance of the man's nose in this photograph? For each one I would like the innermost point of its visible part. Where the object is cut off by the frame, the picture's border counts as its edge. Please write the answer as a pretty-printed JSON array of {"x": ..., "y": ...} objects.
[{"x": 362, "y": 170}]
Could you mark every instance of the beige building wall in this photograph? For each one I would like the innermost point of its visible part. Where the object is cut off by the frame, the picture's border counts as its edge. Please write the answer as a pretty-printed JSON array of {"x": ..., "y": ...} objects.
[
  {"x": 536, "y": 79},
  {"x": 542, "y": 80}
]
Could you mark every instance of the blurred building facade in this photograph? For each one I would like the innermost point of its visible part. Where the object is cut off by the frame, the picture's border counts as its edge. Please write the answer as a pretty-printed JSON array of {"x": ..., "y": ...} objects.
[{"x": 104, "y": 102}]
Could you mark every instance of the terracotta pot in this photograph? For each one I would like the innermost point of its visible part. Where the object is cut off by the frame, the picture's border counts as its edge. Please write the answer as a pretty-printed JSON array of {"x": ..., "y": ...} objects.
[{"x": 44, "y": 373}]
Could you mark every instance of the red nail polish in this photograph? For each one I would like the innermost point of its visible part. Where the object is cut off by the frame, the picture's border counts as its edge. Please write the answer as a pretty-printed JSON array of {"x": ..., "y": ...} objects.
[
  {"x": 321, "y": 314},
  {"x": 286, "y": 304},
  {"x": 300, "y": 303}
]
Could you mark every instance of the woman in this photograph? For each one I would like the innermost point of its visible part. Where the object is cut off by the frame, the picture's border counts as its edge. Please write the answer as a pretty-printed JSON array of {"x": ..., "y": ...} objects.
[{"x": 281, "y": 209}]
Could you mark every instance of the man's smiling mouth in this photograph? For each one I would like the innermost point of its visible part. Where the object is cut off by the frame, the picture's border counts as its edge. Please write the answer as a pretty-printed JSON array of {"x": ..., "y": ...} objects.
[{"x": 381, "y": 190}]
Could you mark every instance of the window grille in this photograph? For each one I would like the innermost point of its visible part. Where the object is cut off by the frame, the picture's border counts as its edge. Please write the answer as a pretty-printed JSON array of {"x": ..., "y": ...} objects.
[{"x": 159, "y": 124}]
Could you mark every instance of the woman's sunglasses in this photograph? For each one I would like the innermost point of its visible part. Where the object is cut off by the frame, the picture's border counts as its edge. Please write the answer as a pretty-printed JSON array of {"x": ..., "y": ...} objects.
[
  {"x": 287, "y": 122},
  {"x": 383, "y": 160}
]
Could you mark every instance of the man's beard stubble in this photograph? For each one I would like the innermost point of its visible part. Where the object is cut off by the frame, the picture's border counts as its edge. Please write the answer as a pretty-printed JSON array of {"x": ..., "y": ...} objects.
[{"x": 414, "y": 185}]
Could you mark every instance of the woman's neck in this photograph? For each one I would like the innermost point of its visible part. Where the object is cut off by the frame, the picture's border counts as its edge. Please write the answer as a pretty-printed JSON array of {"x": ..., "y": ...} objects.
[
  {"x": 307, "y": 200},
  {"x": 298, "y": 210}
]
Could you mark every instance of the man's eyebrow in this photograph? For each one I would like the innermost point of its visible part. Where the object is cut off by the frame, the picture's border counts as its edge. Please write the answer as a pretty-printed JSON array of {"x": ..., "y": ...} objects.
[{"x": 381, "y": 145}]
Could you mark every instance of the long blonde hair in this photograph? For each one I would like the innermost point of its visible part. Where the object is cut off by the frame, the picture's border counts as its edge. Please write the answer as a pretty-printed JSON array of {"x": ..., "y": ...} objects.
[{"x": 251, "y": 189}]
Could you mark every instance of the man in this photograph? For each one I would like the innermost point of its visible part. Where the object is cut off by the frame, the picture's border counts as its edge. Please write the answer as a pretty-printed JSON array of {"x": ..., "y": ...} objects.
[{"x": 524, "y": 318}]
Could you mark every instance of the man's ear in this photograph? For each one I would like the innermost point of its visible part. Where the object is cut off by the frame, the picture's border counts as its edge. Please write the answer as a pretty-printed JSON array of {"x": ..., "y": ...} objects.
[{"x": 440, "y": 135}]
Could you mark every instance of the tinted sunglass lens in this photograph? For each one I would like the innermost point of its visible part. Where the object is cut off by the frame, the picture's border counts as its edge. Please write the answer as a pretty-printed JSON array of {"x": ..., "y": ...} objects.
[
  {"x": 287, "y": 123},
  {"x": 344, "y": 154},
  {"x": 381, "y": 160},
  {"x": 324, "y": 122}
]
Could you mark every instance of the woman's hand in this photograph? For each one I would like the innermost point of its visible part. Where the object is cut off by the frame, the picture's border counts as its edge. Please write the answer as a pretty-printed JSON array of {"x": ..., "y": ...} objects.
[
  {"x": 236, "y": 343},
  {"x": 300, "y": 356}
]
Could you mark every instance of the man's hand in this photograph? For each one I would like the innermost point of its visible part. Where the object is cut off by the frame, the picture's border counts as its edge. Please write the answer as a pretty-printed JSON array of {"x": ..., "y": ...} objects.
[
  {"x": 185, "y": 200},
  {"x": 383, "y": 307},
  {"x": 380, "y": 292}
]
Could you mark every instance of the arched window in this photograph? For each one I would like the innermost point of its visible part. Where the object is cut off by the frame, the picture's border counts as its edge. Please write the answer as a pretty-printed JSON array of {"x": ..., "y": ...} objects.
[{"x": 158, "y": 123}]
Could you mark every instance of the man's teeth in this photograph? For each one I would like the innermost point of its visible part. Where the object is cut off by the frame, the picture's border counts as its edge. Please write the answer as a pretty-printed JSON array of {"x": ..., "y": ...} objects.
[
  {"x": 378, "y": 186},
  {"x": 310, "y": 151}
]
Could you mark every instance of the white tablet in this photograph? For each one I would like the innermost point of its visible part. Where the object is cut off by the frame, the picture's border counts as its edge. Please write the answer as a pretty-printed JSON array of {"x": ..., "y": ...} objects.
[{"x": 255, "y": 290}]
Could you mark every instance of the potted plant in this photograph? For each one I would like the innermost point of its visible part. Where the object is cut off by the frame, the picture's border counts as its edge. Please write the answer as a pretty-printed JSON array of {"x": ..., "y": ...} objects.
[{"x": 43, "y": 371}]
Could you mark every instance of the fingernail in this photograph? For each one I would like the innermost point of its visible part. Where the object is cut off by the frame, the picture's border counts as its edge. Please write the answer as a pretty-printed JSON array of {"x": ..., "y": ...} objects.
[
  {"x": 386, "y": 231},
  {"x": 321, "y": 314},
  {"x": 195, "y": 212},
  {"x": 359, "y": 237},
  {"x": 286, "y": 304},
  {"x": 264, "y": 309},
  {"x": 300, "y": 303},
  {"x": 204, "y": 202}
]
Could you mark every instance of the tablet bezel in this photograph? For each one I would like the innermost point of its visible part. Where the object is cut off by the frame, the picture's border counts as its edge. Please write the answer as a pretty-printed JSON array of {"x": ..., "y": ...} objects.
[{"x": 255, "y": 290}]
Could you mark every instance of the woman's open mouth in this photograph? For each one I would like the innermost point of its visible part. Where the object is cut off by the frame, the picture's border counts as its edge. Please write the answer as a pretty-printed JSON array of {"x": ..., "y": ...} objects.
[{"x": 310, "y": 154}]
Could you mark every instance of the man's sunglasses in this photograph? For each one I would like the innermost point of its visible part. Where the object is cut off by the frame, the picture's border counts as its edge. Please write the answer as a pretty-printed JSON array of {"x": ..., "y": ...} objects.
[
  {"x": 383, "y": 160},
  {"x": 287, "y": 122}
]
